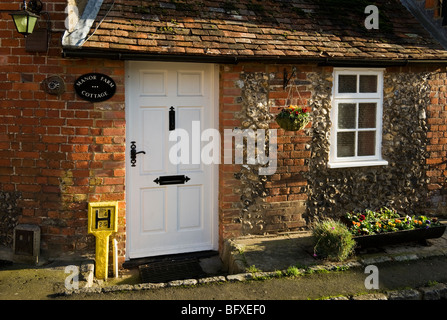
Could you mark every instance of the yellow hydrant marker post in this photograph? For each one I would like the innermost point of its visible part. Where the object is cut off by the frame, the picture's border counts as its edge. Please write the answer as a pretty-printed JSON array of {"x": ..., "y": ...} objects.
[{"x": 102, "y": 222}]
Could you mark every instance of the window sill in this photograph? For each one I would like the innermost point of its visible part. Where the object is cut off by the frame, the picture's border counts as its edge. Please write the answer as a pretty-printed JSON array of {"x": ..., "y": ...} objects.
[{"x": 352, "y": 164}]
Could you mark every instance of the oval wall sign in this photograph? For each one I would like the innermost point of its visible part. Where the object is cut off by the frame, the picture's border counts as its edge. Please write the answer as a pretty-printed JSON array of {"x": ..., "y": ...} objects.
[{"x": 95, "y": 87}]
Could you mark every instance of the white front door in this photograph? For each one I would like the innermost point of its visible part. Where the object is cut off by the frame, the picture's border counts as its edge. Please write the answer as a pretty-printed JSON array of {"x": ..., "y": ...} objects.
[{"x": 166, "y": 216}]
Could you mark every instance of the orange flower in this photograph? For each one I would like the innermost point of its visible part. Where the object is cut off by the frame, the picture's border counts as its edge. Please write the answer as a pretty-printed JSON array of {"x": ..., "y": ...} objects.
[{"x": 398, "y": 221}]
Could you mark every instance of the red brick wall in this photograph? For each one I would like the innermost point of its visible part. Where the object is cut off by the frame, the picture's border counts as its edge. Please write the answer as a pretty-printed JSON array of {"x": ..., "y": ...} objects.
[
  {"x": 437, "y": 148},
  {"x": 229, "y": 198},
  {"x": 289, "y": 183},
  {"x": 59, "y": 152},
  {"x": 434, "y": 5}
]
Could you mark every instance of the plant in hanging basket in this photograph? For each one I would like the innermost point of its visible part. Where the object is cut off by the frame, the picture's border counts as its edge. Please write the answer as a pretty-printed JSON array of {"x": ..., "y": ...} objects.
[{"x": 293, "y": 118}]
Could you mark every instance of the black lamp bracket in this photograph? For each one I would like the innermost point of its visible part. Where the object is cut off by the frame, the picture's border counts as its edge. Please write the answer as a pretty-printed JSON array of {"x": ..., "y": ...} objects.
[
  {"x": 286, "y": 78},
  {"x": 48, "y": 20},
  {"x": 34, "y": 6}
]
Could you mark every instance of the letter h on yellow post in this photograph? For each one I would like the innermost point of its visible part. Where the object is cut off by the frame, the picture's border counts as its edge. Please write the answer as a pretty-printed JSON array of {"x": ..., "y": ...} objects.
[{"x": 102, "y": 222}]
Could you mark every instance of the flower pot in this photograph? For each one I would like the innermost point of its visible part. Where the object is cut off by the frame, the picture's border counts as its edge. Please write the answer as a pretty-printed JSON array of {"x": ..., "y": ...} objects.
[{"x": 396, "y": 237}]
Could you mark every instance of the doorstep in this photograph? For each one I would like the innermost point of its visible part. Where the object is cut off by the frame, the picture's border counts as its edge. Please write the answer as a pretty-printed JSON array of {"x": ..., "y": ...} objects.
[{"x": 269, "y": 252}]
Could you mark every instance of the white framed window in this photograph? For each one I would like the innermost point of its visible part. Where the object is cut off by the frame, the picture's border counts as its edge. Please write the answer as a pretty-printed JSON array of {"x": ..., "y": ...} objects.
[{"x": 356, "y": 115}]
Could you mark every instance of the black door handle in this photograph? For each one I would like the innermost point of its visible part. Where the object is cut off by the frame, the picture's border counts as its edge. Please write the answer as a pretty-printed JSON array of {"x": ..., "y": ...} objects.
[{"x": 133, "y": 153}]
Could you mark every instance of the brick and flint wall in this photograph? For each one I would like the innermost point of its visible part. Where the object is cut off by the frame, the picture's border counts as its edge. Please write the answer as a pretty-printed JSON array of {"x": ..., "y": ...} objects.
[
  {"x": 303, "y": 187},
  {"x": 57, "y": 153}
]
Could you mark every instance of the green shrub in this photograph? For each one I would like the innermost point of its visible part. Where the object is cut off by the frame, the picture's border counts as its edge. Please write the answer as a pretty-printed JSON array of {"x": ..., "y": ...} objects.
[{"x": 332, "y": 240}]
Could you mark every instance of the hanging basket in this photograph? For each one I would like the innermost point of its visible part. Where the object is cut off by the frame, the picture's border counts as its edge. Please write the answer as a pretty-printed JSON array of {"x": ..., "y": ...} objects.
[
  {"x": 290, "y": 124},
  {"x": 293, "y": 118}
]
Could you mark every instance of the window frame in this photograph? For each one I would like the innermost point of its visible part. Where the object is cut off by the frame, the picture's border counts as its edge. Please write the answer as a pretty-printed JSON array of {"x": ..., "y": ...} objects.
[{"x": 356, "y": 98}]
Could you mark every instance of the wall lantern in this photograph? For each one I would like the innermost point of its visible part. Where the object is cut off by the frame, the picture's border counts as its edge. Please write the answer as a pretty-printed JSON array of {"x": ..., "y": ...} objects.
[{"x": 25, "y": 19}]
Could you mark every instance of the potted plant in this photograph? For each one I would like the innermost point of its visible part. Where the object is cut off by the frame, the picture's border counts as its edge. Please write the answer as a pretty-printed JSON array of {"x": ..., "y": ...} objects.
[
  {"x": 386, "y": 226},
  {"x": 293, "y": 118}
]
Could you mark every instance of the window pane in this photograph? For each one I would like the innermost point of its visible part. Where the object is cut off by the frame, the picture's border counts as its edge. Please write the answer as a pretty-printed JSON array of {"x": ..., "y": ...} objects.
[
  {"x": 346, "y": 115},
  {"x": 367, "y": 143},
  {"x": 345, "y": 144},
  {"x": 347, "y": 83},
  {"x": 367, "y": 115},
  {"x": 368, "y": 84}
]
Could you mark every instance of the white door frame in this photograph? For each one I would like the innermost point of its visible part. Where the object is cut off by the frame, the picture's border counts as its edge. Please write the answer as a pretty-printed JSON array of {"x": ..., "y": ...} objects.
[{"x": 215, "y": 168}]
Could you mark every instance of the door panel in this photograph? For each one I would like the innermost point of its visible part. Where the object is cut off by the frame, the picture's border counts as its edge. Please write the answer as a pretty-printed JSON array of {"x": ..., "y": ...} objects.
[
  {"x": 153, "y": 210},
  {"x": 189, "y": 207},
  {"x": 153, "y": 121},
  {"x": 190, "y": 83},
  {"x": 153, "y": 83},
  {"x": 190, "y": 119}
]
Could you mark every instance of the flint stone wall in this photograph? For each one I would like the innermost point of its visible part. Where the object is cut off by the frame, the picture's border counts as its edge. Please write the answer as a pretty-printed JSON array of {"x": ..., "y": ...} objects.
[
  {"x": 254, "y": 114},
  {"x": 402, "y": 185},
  {"x": 9, "y": 216}
]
